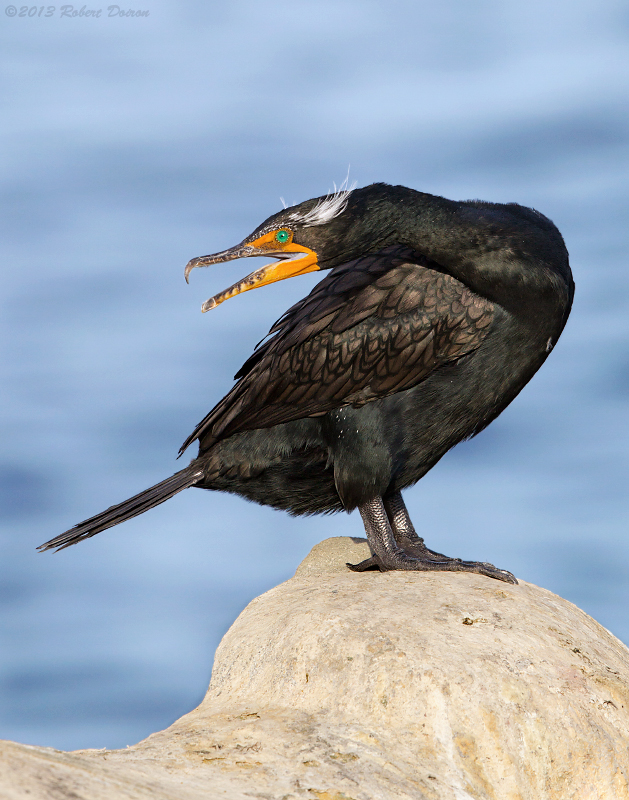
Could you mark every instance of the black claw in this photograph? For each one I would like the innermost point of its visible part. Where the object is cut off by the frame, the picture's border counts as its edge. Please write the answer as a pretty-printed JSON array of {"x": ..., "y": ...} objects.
[{"x": 368, "y": 564}]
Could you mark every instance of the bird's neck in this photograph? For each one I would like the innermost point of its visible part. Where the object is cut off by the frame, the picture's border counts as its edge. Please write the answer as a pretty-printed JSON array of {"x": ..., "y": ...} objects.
[{"x": 494, "y": 249}]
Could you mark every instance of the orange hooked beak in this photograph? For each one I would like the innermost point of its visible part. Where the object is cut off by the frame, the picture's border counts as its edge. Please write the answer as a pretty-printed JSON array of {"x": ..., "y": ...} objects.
[{"x": 293, "y": 259}]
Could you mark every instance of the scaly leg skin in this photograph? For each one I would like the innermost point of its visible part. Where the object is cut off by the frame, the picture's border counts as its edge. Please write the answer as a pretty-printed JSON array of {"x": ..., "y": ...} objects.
[
  {"x": 388, "y": 555},
  {"x": 404, "y": 531}
]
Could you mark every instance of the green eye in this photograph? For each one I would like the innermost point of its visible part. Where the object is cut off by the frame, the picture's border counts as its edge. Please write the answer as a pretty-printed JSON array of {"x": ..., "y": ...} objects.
[{"x": 282, "y": 236}]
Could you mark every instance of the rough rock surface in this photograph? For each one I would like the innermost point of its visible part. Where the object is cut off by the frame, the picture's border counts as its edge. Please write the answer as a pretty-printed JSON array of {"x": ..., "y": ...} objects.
[{"x": 338, "y": 685}]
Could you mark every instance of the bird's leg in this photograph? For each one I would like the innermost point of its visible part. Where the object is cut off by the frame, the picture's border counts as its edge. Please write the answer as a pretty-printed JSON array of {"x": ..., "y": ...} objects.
[
  {"x": 380, "y": 536},
  {"x": 404, "y": 531},
  {"x": 388, "y": 555}
]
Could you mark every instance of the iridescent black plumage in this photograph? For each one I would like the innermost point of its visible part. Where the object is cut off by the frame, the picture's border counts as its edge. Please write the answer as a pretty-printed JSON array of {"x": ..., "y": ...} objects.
[{"x": 434, "y": 316}]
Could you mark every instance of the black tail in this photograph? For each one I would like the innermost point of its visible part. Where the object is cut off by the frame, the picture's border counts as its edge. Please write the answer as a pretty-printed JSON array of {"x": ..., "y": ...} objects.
[{"x": 130, "y": 508}]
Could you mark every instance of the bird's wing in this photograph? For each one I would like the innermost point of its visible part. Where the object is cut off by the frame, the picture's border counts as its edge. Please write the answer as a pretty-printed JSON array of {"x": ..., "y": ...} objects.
[{"x": 374, "y": 326}]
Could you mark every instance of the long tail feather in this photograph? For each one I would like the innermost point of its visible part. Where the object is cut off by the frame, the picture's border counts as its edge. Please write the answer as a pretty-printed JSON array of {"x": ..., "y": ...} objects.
[{"x": 130, "y": 508}]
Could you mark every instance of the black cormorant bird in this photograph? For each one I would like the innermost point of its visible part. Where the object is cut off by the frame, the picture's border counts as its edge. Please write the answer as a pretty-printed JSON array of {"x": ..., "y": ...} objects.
[{"x": 434, "y": 315}]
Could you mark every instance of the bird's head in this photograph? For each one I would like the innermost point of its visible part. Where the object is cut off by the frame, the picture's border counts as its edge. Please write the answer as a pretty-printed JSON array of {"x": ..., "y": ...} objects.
[{"x": 315, "y": 235}]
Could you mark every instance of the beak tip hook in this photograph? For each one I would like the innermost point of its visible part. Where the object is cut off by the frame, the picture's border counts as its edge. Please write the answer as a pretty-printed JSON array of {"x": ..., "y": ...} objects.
[{"x": 186, "y": 273}]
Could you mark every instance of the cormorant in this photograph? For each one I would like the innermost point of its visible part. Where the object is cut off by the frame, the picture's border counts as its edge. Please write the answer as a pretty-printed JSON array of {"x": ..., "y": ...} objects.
[{"x": 434, "y": 315}]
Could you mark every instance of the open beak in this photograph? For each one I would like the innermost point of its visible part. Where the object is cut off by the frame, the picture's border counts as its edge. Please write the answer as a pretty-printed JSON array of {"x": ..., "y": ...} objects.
[{"x": 293, "y": 260}]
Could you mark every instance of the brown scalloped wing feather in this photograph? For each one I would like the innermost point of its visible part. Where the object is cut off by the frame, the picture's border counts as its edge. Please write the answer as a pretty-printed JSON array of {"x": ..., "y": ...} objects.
[{"x": 377, "y": 325}]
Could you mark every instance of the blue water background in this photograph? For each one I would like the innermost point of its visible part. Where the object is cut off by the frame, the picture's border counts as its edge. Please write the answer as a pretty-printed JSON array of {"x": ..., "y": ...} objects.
[{"x": 130, "y": 145}]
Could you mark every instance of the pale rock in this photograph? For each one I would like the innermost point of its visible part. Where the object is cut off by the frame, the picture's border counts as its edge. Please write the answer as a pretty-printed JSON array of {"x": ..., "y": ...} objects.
[{"x": 338, "y": 685}]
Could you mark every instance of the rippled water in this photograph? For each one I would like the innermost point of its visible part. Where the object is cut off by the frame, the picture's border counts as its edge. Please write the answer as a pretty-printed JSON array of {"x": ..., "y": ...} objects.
[{"x": 133, "y": 144}]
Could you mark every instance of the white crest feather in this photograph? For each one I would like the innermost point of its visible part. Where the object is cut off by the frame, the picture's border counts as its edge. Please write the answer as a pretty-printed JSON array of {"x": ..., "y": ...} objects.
[{"x": 328, "y": 207}]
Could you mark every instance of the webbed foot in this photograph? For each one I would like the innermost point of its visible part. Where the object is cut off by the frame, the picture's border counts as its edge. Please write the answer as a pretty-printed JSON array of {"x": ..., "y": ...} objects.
[
  {"x": 395, "y": 545},
  {"x": 402, "y": 559}
]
